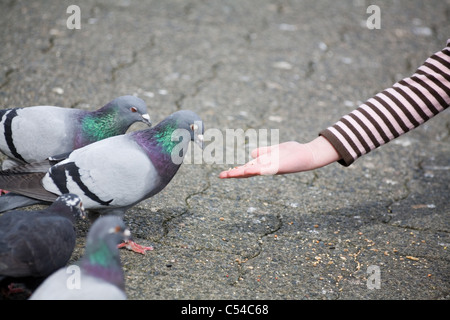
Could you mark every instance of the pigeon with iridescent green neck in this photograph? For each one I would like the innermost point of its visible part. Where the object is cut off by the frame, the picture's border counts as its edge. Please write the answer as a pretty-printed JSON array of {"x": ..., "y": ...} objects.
[
  {"x": 110, "y": 175},
  {"x": 98, "y": 275},
  {"x": 35, "y": 133}
]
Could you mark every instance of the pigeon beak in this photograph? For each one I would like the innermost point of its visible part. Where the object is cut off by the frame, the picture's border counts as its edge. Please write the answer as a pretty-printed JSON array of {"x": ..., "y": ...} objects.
[
  {"x": 126, "y": 235},
  {"x": 199, "y": 141},
  {"x": 146, "y": 119}
]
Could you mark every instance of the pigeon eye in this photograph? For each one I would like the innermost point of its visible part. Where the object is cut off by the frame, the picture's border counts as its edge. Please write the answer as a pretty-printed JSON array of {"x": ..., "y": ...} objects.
[
  {"x": 194, "y": 127},
  {"x": 133, "y": 109},
  {"x": 115, "y": 229}
]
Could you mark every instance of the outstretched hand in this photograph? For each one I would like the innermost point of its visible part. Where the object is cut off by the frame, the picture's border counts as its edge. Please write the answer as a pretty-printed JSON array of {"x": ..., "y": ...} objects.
[{"x": 287, "y": 157}]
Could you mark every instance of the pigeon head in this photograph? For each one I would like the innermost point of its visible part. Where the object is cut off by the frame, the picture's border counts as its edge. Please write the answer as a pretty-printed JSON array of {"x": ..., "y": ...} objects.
[
  {"x": 131, "y": 108},
  {"x": 108, "y": 230},
  {"x": 178, "y": 126},
  {"x": 71, "y": 204},
  {"x": 102, "y": 255},
  {"x": 113, "y": 119},
  {"x": 167, "y": 142},
  {"x": 191, "y": 122}
]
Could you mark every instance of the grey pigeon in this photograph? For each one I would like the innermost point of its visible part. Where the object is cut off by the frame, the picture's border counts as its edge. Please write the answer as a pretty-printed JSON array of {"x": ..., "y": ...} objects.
[
  {"x": 33, "y": 244},
  {"x": 110, "y": 175},
  {"x": 98, "y": 275},
  {"x": 35, "y": 133}
]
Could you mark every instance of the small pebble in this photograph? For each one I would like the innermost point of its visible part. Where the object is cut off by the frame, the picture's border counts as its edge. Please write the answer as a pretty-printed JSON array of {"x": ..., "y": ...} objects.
[{"x": 58, "y": 90}]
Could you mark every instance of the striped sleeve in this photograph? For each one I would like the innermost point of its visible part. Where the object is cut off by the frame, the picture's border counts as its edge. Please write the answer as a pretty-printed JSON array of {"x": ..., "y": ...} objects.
[{"x": 394, "y": 111}]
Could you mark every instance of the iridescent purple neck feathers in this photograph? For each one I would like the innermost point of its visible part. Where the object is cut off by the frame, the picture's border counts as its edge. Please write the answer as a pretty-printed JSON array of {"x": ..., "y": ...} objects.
[{"x": 160, "y": 143}]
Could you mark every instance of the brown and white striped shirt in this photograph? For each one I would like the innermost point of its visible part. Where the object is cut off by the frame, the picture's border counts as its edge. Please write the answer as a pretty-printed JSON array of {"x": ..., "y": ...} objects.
[{"x": 394, "y": 111}]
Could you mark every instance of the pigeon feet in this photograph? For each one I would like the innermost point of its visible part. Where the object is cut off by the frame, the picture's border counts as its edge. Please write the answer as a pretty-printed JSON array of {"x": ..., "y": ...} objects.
[
  {"x": 3, "y": 191},
  {"x": 131, "y": 245},
  {"x": 12, "y": 289}
]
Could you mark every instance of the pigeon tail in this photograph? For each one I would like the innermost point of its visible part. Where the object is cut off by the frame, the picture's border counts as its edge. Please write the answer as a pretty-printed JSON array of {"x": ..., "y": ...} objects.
[
  {"x": 11, "y": 201},
  {"x": 26, "y": 184}
]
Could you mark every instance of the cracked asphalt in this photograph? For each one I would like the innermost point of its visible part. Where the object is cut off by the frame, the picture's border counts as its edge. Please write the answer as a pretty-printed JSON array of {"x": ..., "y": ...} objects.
[{"x": 295, "y": 66}]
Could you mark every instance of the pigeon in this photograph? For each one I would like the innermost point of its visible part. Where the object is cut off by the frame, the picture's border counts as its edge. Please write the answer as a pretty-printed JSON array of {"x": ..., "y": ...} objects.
[
  {"x": 98, "y": 275},
  {"x": 110, "y": 175},
  {"x": 34, "y": 244},
  {"x": 33, "y": 134}
]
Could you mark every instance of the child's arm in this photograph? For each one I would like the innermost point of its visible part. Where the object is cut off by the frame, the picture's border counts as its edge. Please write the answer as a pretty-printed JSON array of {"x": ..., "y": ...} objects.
[
  {"x": 391, "y": 113},
  {"x": 287, "y": 157}
]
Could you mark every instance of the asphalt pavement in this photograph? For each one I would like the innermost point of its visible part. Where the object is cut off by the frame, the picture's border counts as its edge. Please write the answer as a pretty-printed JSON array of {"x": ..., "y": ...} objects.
[{"x": 272, "y": 69}]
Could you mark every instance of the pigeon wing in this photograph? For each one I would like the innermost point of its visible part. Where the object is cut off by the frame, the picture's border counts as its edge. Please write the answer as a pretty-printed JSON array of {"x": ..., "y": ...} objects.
[{"x": 113, "y": 172}]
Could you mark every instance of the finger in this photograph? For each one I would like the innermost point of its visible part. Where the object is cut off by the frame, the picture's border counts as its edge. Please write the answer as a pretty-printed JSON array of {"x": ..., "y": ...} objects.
[
  {"x": 230, "y": 173},
  {"x": 224, "y": 175},
  {"x": 236, "y": 171},
  {"x": 241, "y": 172},
  {"x": 260, "y": 151},
  {"x": 233, "y": 173}
]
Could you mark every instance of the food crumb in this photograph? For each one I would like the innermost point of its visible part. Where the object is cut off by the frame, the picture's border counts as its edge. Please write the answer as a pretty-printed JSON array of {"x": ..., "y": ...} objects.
[{"x": 412, "y": 258}]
